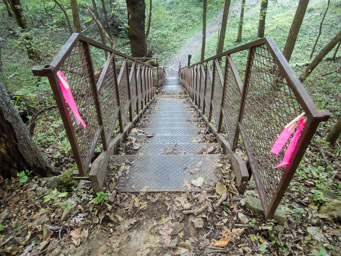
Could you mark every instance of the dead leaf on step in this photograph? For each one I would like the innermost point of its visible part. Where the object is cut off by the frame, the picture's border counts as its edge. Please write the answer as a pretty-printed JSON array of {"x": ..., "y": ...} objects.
[
  {"x": 198, "y": 182},
  {"x": 195, "y": 170},
  {"x": 136, "y": 146},
  {"x": 186, "y": 184},
  {"x": 220, "y": 188}
]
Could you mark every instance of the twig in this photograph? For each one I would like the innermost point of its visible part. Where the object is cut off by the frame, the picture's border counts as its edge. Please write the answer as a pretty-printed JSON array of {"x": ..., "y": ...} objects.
[
  {"x": 197, "y": 211},
  {"x": 31, "y": 124},
  {"x": 221, "y": 200}
]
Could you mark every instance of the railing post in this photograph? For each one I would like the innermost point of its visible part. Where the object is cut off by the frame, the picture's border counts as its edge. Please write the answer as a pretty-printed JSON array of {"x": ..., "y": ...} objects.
[
  {"x": 242, "y": 102},
  {"x": 137, "y": 67},
  {"x": 204, "y": 98},
  {"x": 145, "y": 78},
  {"x": 212, "y": 91},
  {"x": 142, "y": 86},
  {"x": 129, "y": 95},
  {"x": 95, "y": 93},
  {"x": 199, "y": 90},
  {"x": 223, "y": 96},
  {"x": 117, "y": 94}
]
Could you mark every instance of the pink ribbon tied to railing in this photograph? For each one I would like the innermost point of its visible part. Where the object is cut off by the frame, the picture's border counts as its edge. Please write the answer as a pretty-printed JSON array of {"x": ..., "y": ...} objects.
[
  {"x": 65, "y": 88},
  {"x": 284, "y": 137}
]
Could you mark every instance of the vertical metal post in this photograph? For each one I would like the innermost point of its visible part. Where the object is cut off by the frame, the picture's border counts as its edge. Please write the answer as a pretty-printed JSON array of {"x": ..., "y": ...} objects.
[
  {"x": 142, "y": 86},
  {"x": 137, "y": 67},
  {"x": 242, "y": 102},
  {"x": 95, "y": 93},
  {"x": 200, "y": 85},
  {"x": 129, "y": 95},
  {"x": 212, "y": 91},
  {"x": 204, "y": 104},
  {"x": 189, "y": 60},
  {"x": 223, "y": 96},
  {"x": 120, "y": 121}
]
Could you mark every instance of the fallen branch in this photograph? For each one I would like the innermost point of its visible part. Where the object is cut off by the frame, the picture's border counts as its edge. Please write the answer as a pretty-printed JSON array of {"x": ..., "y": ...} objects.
[
  {"x": 197, "y": 211},
  {"x": 31, "y": 124},
  {"x": 221, "y": 200}
]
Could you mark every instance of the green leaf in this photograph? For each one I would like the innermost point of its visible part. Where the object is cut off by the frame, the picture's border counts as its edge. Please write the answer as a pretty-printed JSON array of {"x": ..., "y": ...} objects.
[
  {"x": 2, "y": 228},
  {"x": 323, "y": 251}
]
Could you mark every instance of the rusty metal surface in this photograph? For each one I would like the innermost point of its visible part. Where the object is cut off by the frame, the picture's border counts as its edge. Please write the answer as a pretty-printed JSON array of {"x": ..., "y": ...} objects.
[
  {"x": 258, "y": 110},
  {"x": 164, "y": 172}
]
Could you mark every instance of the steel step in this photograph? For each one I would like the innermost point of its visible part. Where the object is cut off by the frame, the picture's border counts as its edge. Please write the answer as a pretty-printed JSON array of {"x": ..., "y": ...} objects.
[
  {"x": 164, "y": 139},
  {"x": 164, "y": 172},
  {"x": 170, "y": 131}
]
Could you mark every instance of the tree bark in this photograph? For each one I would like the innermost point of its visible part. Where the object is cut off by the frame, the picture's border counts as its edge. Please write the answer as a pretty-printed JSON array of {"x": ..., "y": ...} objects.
[
  {"x": 295, "y": 28},
  {"x": 262, "y": 16},
  {"x": 17, "y": 10},
  {"x": 320, "y": 30},
  {"x": 336, "y": 50},
  {"x": 149, "y": 18},
  {"x": 75, "y": 15},
  {"x": 101, "y": 33},
  {"x": 8, "y": 9},
  {"x": 136, "y": 32},
  {"x": 320, "y": 56},
  {"x": 223, "y": 26},
  {"x": 106, "y": 19},
  {"x": 203, "y": 43},
  {"x": 66, "y": 16},
  {"x": 334, "y": 133},
  {"x": 241, "y": 21},
  {"x": 17, "y": 149}
]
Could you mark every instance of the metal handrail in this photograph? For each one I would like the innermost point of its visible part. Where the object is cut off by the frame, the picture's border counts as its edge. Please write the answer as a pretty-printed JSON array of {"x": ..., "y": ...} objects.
[
  {"x": 118, "y": 94},
  {"x": 256, "y": 109}
]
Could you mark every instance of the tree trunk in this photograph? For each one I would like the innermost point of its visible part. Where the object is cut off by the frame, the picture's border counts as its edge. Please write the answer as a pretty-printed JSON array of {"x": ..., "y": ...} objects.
[
  {"x": 101, "y": 33},
  {"x": 337, "y": 48},
  {"x": 320, "y": 30},
  {"x": 17, "y": 149},
  {"x": 17, "y": 10},
  {"x": 223, "y": 26},
  {"x": 75, "y": 15},
  {"x": 150, "y": 17},
  {"x": 295, "y": 28},
  {"x": 203, "y": 43},
  {"x": 8, "y": 9},
  {"x": 66, "y": 16},
  {"x": 334, "y": 133},
  {"x": 136, "y": 22},
  {"x": 241, "y": 21},
  {"x": 106, "y": 19},
  {"x": 262, "y": 16},
  {"x": 320, "y": 56}
]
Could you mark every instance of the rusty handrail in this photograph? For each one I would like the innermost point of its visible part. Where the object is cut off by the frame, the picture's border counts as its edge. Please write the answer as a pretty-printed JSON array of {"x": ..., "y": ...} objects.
[
  {"x": 257, "y": 109},
  {"x": 110, "y": 95}
]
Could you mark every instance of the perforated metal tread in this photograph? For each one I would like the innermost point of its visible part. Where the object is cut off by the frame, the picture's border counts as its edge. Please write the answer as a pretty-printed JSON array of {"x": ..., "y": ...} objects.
[
  {"x": 169, "y": 139},
  {"x": 176, "y": 149},
  {"x": 170, "y": 124},
  {"x": 170, "y": 131},
  {"x": 165, "y": 172}
]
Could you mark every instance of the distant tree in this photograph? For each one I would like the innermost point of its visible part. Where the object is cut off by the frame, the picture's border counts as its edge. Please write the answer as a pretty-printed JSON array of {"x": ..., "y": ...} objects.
[
  {"x": 65, "y": 14},
  {"x": 106, "y": 19},
  {"x": 334, "y": 133},
  {"x": 295, "y": 28},
  {"x": 262, "y": 16},
  {"x": 203, "y": 43},
  {"x": 136, "y": 32},
  {"x": 17, "y": 149},
  {"x": 101, "y": 32},
  {"x": 75, "y": 15},
  {"x": 17, "y": 10},
  {"x": 320, "y": 29},
  {"x": 241, "y": 21},
  {"x": 223, "y": 26},
  {"x": 8, "y": 8},
  {"x": 149, "y": 17},
  {"x": 319, "y": 57},
  {"x": 337, "y": 48}
]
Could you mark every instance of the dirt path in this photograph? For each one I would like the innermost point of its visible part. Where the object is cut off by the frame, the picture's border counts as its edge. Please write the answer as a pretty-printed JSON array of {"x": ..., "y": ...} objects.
[{"x": 193, "y": 44}]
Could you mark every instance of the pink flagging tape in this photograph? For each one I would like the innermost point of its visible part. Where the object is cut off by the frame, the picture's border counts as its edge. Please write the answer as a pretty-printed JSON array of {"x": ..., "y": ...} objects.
[
  {"x": 282, "y": 139},
  {"x": 292, "y": 146},
  {"x": 64, "y": 86}
]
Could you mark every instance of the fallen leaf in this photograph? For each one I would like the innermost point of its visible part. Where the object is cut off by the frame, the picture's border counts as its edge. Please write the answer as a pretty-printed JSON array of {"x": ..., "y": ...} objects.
[
  {"x": 198, "y": 182},
  {"x": 224, "y": 240},
  {"x": 75, "y": 235},
  {"x": 220, "y": 188},
  {"x": 166, "y": 235},
  {"x": 186, "y": 184}
]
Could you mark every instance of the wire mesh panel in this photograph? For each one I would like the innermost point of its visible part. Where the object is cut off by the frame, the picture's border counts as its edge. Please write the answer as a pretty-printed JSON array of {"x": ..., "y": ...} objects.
[
  {"x": 77, "y": 72},
  {"x": 123, "y": 92},
  {"x": 217, "y": 92},
  {"x": 139, "y": 87},
  {"x": 232, "y": 100},
  {"x": 269, "y": 105},
  {"x": 132, "y": 84},
  {"x": 208, "y": 89},
  {"x": 107, "y": 97},
  {"x": 203, "y": 87}
]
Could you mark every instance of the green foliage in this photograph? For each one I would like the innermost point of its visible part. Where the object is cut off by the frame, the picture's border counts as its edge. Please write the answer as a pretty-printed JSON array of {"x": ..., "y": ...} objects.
[
  {"x": 56, "y": 196},
  {"x": 2, "y": 228},
  {"x": 23, "y": 176},
  {"x": 317, "y": 196},
  {"x": 101, "y": 196}
]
